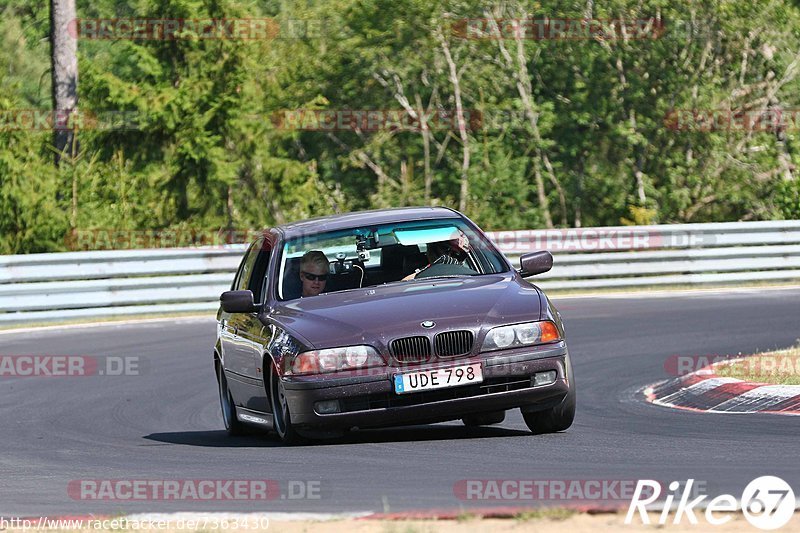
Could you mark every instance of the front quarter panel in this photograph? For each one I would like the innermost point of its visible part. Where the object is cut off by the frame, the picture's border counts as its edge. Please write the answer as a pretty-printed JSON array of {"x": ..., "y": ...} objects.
[{"x": 549, "y": 312}]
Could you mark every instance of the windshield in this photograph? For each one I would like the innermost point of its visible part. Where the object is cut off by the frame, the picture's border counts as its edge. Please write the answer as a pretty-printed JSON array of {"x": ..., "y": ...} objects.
[{"x": 377, "y": 255}]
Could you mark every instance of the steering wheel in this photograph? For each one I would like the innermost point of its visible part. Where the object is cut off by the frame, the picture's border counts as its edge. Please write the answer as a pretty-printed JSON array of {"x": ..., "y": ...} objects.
[{"x": 445, "y": 270}]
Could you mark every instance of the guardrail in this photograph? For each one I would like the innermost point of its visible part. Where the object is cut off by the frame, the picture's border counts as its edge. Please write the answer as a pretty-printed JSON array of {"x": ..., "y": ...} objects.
[
  {"x": 73, "y": 285},
  {"x": 679, "y": 254}
]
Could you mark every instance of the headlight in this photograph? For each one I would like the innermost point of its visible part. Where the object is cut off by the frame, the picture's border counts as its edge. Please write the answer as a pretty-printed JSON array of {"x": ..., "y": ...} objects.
[
  {"x": 334, "y": 360},
  {"x": 283, "y": 347},
  {"x": 525, "y": 334}
]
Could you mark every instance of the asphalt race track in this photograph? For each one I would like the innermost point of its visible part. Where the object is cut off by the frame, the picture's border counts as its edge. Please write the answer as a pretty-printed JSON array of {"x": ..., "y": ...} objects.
[{"x": 165, "y": 423}]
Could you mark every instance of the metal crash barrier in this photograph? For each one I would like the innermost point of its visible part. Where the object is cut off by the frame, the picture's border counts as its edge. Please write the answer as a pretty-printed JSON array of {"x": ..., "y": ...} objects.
[{"x": 56, "y": 287}]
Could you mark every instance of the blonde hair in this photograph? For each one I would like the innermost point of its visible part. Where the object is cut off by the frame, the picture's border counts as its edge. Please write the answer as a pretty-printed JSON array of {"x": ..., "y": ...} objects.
[{"x": 314, "y": 257}]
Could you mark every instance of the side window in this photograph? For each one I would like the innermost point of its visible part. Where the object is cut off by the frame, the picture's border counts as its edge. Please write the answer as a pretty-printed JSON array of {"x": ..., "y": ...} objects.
[
  {"x": 246, "y": 268},
  {"x": 258, "y": 277}
]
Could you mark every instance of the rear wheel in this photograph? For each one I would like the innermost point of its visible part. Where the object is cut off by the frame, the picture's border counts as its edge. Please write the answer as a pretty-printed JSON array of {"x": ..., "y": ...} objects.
[
  {"x": 280, "y": 412},
  {"x": 484, "y": 419},
  {"x": 232, "y": 425}
]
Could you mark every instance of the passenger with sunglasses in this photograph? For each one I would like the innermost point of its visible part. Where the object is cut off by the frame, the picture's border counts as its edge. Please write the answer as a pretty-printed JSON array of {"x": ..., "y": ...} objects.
[{"x": 314, "y": 269}]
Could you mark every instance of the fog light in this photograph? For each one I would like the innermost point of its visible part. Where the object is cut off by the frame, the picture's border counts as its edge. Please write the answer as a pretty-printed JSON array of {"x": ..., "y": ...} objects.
[
  {"x": 327, "y": 407},
  {"x": 544, "y": 378}
]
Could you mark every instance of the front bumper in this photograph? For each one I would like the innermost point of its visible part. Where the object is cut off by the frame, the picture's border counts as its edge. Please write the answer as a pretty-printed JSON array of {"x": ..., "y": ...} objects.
[{"x": 370, "y": 401}]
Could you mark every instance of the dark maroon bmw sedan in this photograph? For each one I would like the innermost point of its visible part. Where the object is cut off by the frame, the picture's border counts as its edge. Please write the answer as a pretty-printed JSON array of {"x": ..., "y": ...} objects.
[{"x": 386, "y": 318}]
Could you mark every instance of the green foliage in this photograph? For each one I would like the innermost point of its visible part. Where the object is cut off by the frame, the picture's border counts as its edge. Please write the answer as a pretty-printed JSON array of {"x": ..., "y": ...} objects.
[
  {"x": 32, "y": 216},
  {"x": 573, "y": 131},
  {"x": 788, "y": 199}
]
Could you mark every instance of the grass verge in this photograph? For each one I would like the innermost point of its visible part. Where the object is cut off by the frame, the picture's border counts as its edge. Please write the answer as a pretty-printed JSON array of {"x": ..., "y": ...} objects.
[{"x": 781, "y": 367}]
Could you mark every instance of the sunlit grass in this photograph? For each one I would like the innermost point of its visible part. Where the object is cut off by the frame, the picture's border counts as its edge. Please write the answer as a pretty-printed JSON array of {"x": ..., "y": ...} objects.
[
  {"x": 780, "y": 367},
  {"x": 548, "y": 513}
]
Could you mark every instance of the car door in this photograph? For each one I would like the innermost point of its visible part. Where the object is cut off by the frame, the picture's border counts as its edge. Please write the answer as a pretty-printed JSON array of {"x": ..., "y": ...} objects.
[
  {"x": 251, "y": 331},
  {"x": 237, "y": 356},
  {"x": 243, "y": 342}
]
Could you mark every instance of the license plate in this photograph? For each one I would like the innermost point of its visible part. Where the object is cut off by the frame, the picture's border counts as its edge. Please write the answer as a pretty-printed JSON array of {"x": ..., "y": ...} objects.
[{"x": 439, "y": 378}]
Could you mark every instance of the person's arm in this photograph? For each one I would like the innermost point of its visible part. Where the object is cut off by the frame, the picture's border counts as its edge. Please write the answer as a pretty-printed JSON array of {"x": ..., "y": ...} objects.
[{"x": 417, "y": 271}]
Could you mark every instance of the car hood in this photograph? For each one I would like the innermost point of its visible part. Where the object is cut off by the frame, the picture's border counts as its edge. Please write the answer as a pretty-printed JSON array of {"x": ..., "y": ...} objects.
[{"x": 376, "y": 315}]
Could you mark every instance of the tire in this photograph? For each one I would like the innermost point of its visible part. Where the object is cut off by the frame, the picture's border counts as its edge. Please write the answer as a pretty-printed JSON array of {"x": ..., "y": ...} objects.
[
  {"x": 232, "y": 424},
  {"x": 282, "y": 418},
  {"x": 558, "y": 418},
  {"x": 484, "y": 419}
]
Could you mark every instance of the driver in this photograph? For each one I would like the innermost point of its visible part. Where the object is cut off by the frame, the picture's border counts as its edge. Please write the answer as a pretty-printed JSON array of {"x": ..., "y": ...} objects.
[
  {"x": 452, "y": 252},
  {"x": 314, "y": 270}
]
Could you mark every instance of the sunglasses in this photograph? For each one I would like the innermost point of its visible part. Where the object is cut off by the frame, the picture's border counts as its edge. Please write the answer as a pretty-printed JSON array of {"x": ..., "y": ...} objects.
[{"x": 314, "y": 277}]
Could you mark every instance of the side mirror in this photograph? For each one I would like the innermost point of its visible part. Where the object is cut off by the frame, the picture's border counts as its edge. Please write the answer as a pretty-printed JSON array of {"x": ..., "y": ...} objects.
[
  {"x": 237, "y": 302},
  {"x": 535, "y": 263}
]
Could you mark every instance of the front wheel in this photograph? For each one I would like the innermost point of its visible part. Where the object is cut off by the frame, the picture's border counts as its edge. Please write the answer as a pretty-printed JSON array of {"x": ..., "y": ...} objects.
[
  {"x": 558, "y": 418},
  {"x": 280, "y": 412},
  {"x": 232, "y": 425}
]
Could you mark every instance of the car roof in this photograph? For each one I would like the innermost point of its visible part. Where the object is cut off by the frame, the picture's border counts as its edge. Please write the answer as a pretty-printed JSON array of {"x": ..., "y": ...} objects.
[{"x": 362, "y": 218}]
